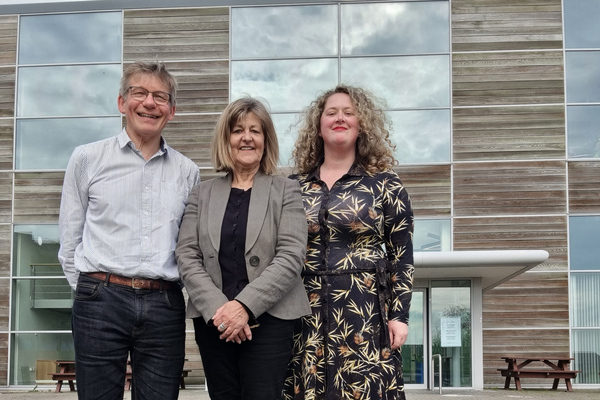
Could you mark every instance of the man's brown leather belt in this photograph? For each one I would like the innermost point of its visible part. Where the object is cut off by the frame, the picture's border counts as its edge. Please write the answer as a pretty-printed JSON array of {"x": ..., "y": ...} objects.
[{"x": 136, "y": 283}]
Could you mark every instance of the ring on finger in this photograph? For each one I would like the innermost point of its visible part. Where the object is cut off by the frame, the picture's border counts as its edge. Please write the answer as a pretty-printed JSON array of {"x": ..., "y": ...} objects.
[{"x": 221, "y": 327}]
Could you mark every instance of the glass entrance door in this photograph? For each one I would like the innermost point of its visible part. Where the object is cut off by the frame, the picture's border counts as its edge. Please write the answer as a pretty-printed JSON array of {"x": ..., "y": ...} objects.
[{"x": 414, "y": 351}]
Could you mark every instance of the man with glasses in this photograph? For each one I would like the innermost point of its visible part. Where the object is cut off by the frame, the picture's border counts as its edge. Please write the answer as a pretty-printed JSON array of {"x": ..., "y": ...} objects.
[{"x": 122, "y": 203}]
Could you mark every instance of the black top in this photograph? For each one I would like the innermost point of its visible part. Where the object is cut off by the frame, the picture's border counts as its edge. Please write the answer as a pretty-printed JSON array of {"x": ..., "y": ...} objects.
[{"x": 233, "y": 243}]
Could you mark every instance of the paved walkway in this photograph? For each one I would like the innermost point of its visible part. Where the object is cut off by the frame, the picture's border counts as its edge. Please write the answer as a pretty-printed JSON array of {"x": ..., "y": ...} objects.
[{"x": 488, "y": 394}]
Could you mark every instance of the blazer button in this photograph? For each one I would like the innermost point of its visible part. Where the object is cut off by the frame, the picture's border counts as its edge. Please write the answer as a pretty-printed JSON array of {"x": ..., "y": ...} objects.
[{"x": 254, "y": 260}]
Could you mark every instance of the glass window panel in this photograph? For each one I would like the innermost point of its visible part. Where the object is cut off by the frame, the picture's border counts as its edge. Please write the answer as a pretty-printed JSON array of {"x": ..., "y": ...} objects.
[
  {"x": 70, "y": 38},
  {"x": 416, "y": 81},
  {"x": 287, "y": 85},
  {"x": 583, "y": 132},
  {"x": 287, "y": 132},
  {"x": 412, "y": 350},
  {"x": 581, "y": 24},
  {"x": 584, "y": 251},
  {"x": 586, "y": 351},
  {"x": 44, "y": 301},
  {"x": 395, "y": 28},
  {"x": 583, "y": 76},
  {"x": 451, "y": 330},
  {"x": 33, "y": 356},
  {"x": 432, "y": 235},
  {"x": 421, "y": 136},
  {"x": 585, "y": 294},
  {"x": 48, "y": 143},
  {"x": 68, "y": 90},
  {"x": 296, "y": 31}
]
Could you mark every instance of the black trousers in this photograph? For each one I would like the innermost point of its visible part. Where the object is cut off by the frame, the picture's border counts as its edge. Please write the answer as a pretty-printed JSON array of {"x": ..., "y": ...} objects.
[{"x": 252, "y": 370}]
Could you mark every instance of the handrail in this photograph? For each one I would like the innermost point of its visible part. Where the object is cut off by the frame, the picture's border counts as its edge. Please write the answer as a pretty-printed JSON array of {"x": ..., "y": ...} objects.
[{"x": 431, "y": 372}]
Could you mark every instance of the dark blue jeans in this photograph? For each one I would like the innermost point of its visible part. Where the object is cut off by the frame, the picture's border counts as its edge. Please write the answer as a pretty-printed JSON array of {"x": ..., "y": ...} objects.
[
  {"x": 252, "y": 370},
  {"x": 111, "y": 322}
]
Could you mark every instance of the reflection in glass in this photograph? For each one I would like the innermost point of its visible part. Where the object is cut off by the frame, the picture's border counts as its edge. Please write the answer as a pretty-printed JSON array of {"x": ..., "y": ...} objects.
[
  {"x": 585, "y": 346},
  {"x": 287, "y": 85},
  {"x": 68, "y": 90},
  {"x": 583, "y": 129},
  {"x": 432, "y": 235},
  {"x": 286, "y": 126},
  {"x": 451, "y": 330},
  {"x": 70, "y": 38},
  {"x": 584, "y": 252},
  {"x": 48, "y": 143},
  {"x": 421, "y": 136},
  {"x": 415, "y": 81},
  {"x": 293, "y": 31},
  {"x": 44, "y": 300},
  {"x": 33, "y": 355},
  {"x": 395, "y": 28},
  {"x": 583, "y": 76},
  {"x": 412, "y": 350},
  {"x": 581, "y": 24}
]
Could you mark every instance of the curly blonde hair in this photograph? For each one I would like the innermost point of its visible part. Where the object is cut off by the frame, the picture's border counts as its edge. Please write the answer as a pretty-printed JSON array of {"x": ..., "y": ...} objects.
[{"x": 373, "y": 146}]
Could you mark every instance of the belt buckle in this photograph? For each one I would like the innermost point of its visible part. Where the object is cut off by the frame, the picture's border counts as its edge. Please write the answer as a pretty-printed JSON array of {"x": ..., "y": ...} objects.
[{"x": 133, "y": 283}]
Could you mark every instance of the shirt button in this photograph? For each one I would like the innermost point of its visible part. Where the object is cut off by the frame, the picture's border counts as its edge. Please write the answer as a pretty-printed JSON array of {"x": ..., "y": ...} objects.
[
  {"x": 145, "y": 212},
  {"x": 145, "y": 237}
]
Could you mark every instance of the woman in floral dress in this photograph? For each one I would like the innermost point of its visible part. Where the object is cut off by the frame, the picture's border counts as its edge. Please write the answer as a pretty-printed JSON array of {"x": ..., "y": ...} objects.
[{"x": 359, "y": 264}]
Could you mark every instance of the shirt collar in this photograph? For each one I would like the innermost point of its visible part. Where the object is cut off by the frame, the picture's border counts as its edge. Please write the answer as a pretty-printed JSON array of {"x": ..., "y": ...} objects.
[
  {"x": 124, "y": 139},
  {"x": 355, "y": 170}
]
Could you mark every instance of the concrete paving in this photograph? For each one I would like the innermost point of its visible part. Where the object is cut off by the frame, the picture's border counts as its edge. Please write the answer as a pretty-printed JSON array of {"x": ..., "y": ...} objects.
[{"x": 488, "y": 394}]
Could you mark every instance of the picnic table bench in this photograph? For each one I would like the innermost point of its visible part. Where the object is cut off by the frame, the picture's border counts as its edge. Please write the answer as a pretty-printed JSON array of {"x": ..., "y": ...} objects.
[
  {"x": 66, "y": 373},
  {"x": 559, "y": 369}
]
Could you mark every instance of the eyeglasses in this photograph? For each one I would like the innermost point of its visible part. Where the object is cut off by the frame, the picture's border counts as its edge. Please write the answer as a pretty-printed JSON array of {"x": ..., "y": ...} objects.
[{"x": 139, "y": 93}]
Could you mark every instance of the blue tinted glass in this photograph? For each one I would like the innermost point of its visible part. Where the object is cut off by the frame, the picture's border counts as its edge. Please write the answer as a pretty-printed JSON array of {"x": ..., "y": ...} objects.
[
  {"x": 70, "y": 38},
  {"x": 432, "y": 235},
  {"x": 414, "y": 81},
  {"x": 583, "y": 132},
  {"x": 584, "y": 251},
  {"x": 583, "y": 76},
  {"x": 581, "y": 24},
  {"x": 287, "y": 85},
  {"x": 286, "y": 126},
  {"x": 421, "y": 136},
  {"x": 395, "y": 28},
  {"x": 68, "y": 90},
  {"x": 299, "y": 31},
  {"x": 48, "y": 143}
]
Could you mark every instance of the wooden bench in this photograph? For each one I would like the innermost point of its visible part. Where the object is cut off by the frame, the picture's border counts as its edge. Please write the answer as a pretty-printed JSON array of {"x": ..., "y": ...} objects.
[
  {"x": 63, "y": 376},
  {"x": 560, "y": 370}
]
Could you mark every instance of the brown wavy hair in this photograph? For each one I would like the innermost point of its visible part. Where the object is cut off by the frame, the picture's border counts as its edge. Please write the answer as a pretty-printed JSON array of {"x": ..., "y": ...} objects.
[{"x": 373, "y": 146}]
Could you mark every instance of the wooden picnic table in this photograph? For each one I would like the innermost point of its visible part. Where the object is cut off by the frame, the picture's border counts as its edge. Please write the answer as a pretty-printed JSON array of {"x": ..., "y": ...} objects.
[
  {"x": 559, "y": 369},
  {"x": 66, "y": 373}
]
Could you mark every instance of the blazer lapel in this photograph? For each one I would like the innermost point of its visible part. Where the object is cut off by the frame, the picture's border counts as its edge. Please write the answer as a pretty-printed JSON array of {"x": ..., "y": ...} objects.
[
  {"x": 259, "y": 201},
  {"x": 219, "y": 195}
]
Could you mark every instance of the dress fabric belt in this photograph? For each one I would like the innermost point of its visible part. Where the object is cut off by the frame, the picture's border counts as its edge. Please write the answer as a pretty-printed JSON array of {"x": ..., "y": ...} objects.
[
  {"x": 136, "y": 283},
  {"x": 384, "y": 289}
]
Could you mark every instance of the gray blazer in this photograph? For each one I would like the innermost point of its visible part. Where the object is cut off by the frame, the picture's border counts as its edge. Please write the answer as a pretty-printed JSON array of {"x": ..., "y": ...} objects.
[{"x": 276, "y": 240}]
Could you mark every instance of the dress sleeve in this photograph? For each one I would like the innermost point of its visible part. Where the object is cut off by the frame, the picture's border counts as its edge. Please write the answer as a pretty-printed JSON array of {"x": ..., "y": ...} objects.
[{"x": 398, "y": 220}]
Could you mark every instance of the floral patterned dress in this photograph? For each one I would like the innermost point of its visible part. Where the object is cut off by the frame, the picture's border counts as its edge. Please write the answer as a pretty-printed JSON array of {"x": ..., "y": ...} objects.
[{"x": 358, "y": 275}]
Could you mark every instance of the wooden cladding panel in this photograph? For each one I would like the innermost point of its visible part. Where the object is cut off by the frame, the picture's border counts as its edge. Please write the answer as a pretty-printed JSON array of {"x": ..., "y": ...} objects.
[
  {"x": 5, "y": 197},
  {"x": 37, "y": 196},
  {"x": 584, "y": 187},
  {"x": 508, "y": 78},
  {"x": 179, "y": 34},
  {"x": 192, "y": 135},
  {"x": 502, "y": 133},
  {"x": 498, "y": 343},
  {"x": 505, "y": 188},
  {"x": 4, "y": 305},
  {"x": 484, "y": 25},
  {"x": 4, "y": 359},
  {"x": 5, "y": 242},
  {"x": 428, "y": 187},
  {"x": 8, "y": 39},
  {"x": 6, "y": 143},
  {"x": 7, "y": 91}
]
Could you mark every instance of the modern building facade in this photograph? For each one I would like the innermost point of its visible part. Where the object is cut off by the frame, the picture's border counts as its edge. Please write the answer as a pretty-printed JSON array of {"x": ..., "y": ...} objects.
[{"x": 495, "y": 107}]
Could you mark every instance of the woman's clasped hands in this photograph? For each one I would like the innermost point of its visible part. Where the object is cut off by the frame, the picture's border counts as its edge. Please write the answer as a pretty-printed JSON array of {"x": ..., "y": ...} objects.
[{"x": 231, "y": 319}]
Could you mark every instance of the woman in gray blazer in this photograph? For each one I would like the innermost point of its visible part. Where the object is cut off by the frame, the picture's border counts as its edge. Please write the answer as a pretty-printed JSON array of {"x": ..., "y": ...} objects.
[{"x": 241, "y": 248}]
